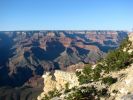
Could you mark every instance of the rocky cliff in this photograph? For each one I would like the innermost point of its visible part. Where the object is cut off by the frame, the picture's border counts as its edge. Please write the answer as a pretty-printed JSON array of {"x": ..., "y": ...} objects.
[
  {"x": 112, "y": 85},
  {"x": 34, "y": 52},
  {"x": 26, "y": 55},
  {"x": 58, "y": 80}
]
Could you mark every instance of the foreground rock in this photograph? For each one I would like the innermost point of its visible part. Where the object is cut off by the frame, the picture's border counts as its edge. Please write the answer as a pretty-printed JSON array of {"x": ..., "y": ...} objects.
[
  {"x": 124, "y": 86},
  {"x": 58, "y": 80}
]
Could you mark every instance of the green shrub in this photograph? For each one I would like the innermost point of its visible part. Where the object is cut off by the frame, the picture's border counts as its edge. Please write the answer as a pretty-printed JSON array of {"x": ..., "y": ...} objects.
[
  {"x": 116, "y": 60},
  {"x": 83, "y": 93},
  {"x": 103, "y": 92},
  {"x": 87, "y": 93},
  {"x": 85, "y": 76},
  {"x": 88, "y": 74},
  {"x": 87, "y": 69},
  {"x": 126, "y": 43},
  {"x": 96, "y": 72},
  {"x": 109, "y": 80},
  {"x": 51, "y": 94},
  {"x": 84, "y": 79},
  {"x": 78, "y": 73},
  {"x": 67, "y": 88}
]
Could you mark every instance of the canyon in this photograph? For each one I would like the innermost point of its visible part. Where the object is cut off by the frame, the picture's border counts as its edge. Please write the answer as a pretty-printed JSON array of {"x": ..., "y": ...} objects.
[
  {"x": 26, "y": 55},
  {"x": 67, "y": 86}
]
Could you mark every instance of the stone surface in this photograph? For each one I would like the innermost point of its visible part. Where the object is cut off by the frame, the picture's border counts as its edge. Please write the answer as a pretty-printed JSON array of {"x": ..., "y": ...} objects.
[
  {"x": 124, "y": 84},
  {"x": 58, "y": 80}
]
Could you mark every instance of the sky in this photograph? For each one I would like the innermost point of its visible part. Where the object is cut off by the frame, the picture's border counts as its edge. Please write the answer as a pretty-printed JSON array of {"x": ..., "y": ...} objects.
[{"x": 66, "y": 15}]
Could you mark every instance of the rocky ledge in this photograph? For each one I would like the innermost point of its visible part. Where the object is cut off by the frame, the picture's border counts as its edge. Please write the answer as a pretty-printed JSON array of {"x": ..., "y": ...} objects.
[{"x": 58, "y": 80}]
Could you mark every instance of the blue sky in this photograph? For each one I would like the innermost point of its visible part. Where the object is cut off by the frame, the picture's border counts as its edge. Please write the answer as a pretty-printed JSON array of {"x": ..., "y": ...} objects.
[{"x": 66, "y": 14}]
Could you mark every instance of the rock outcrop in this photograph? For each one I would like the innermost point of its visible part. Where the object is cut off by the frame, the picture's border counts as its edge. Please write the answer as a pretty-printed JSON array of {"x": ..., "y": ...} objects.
[
  {"x": 124, "y": 85},
  {"x": 58, "y": 80}
]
